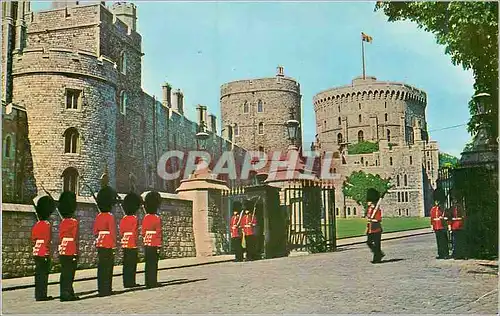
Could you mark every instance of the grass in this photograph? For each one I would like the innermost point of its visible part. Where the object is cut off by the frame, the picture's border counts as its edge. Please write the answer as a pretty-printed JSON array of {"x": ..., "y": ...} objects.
[{"x": 354, "y": 227}]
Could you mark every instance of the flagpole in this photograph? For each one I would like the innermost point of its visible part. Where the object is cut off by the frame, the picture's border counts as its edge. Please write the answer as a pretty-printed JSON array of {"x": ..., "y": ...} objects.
[{"x": 363, "y": 55}]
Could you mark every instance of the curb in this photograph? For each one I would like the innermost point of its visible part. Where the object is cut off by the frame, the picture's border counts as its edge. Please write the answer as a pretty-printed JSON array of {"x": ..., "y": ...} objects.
[
  {"x": 383, "y": 239},
  {"x": 26, "y": 286}
]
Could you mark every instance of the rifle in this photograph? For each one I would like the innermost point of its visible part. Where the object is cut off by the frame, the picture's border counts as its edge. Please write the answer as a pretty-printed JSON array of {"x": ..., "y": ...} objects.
[{"x": 48, "y": 193}]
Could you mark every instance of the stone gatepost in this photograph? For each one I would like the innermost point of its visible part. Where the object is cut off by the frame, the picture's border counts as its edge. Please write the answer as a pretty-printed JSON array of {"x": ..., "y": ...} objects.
[{"x": 208, "y": 223}]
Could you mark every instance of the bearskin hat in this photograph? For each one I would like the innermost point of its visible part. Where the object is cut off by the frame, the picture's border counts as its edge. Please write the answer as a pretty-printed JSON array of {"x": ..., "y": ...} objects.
[
  {"x": 372, "y": 195},
  {"x": 67, "y": 204},
  {"x": 237, "y": 206},
  {"x": 106, "y": 198},
  {"x": 44, "y": 207},
  {"x": 131, "y": 203},
  {"x": 152, "y": 202}
]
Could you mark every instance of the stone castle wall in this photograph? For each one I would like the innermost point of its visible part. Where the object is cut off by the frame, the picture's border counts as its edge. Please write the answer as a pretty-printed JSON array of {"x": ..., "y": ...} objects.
[
  {"x": 277, "y": 95},
  {"x": 17, "y": 260}
]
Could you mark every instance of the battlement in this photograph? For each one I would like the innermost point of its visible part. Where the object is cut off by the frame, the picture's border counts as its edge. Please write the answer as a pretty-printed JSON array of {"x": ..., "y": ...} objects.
[
  {"x": 61, "y": 60},
  {"x": 262, "y": 84}
]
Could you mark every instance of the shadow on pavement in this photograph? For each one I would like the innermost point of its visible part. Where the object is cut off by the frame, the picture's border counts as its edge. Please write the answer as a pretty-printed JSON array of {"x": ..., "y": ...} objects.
[
  {"x": 140, "y": 288},
  {"x": 391, "y": 260}
]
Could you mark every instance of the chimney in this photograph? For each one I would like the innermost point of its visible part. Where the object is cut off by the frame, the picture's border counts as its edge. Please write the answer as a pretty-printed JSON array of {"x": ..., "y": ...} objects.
[
  {"x": 201, "y": 109},
  {"x": 178, "y": 102},
  {"x": 417, "y": 131},
  {"x": 280, "y": 71},
  {"x": 212, "y": 123},
  {"x": 166, "y": 92}
]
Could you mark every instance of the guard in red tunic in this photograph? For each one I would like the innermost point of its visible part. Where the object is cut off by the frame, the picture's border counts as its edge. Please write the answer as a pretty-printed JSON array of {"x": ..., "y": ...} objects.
[
  {"x": 457, "y": 230},
  {"x": 128, "y": 233},
  {"x": 68, "y": 245},
  {"x": 248, "y": 223},
  {"x": 105, "y": 231},
  {"x": 235, "y": 232},
  {"x": 374, "y": 226},
  {"x": 438, "y": 224},
  {"x": 41, "y": 237},
  {"x": 152, "y": 237}
]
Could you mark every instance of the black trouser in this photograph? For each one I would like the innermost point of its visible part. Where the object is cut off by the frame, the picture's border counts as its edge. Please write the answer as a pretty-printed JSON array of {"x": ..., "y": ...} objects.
[
  {"x": 151, "y": 269},
  {"x": 459, "y": 244},
  {"x": 237, "y": 249},
  {"x": 105, "y": 270},
  {"x": 373, "y": 242},
  {"x": 68, "y": 268},
  {"x": 129, "y": 266},
  {"x": 442, "y": 243},
  {"x": 250, "y": 241},
  {"x": 42, "y": 267}
]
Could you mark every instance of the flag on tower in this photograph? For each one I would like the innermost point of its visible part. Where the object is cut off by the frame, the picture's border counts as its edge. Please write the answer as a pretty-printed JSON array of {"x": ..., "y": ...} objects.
[{"x": 366, "y": 38}]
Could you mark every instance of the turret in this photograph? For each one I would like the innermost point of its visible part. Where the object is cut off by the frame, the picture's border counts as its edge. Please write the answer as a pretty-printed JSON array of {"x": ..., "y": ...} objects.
[{"x": 126, "y": 12}]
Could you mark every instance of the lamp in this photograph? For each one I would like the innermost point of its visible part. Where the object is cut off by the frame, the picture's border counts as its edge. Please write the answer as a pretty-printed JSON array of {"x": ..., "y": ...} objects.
[
  {"x": 201, "y": 137},
  {"x": 481, "y": 99},
  {"x": 292, "y": 127}
]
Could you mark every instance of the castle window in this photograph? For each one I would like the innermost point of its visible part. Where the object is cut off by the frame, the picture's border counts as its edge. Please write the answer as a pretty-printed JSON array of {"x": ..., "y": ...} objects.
[
  {"x": 359, "y": 106},
  {"x": 245, "y": 107},
  {"x": 428, "y": 165},
  {"x": 360, "y": 136},
  {"x": 261, "y": 128},
  {"x": 72, "y": 99},
  {"x": 390, "y": 161},
  {"x": 399, "y": 212},
  {"x": 7, "y": 148},
  {"x": 260, "y": 107},
  {"x": 385, "y": 105},
  {"x": 324, "y": 124},
  {"x": 334, "y": 170},
  {"x": 366, "y": 163},
  {"x": 337, "y": 211},
  {"x": 339, "y": 108},
  {"x": 230, "y": 133},
  {"x": 406, "y": 196},
  {"x": 411, "y": 160},
  {"x": 339, "y": 138},
  {"x": 348, "y": 211},
  {"x": 354, "y": 211},
  {"x": 407, "y": 213},
  {"x": 340, "y": 121},
  {"x": 362, "y": 160},
  {"x": 123, "y": 63},
  {"x": 261, "y": 149},
  {"x": 397, "y": 180},
  {"x": 406, "y": 180},
  {"x": 386, "y": 117},
  {"x": 399, "y": 196},
  {"x": 70, "y": 180},
  {"x": 388, "y": 135},
  {"x": 359, "y": 118},
  {"x": 236, "y": 130},
  {"x": 376, "y": 162},
  {"x": 123, "y": 102},
  {"x": 71, "y": 137}
]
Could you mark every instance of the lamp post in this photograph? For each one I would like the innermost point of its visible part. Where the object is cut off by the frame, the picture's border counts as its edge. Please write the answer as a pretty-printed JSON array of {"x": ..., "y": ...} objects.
[
  {"x": 292, "y": 127},
  {"x": 201, "y": 143}
]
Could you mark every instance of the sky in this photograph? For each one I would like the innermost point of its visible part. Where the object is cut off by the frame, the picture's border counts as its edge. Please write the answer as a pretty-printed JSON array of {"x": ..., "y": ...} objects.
[{"x": 198, "y": 46}]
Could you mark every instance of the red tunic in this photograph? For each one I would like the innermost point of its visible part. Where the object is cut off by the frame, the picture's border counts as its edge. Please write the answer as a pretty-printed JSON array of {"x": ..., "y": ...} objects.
[
  {"x": 151, "y": 230},
  {"x": 105, "y": 229},
  {"x": 128, "y": 231},
  {"x": 41, "y": 235},
  {"x": 457, "y": 221},
  {"x": 374, "y": 220},
  {"x": 235, "y": 229},
  {"x": 437, "y": 218},
  {"x": 68, "y": 236},
  {"x": 248, "y": 224}
]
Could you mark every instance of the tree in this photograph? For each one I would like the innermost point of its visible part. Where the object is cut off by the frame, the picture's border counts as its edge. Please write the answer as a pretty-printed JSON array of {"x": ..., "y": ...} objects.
[
  {"x": 469, "y": 30},
  {"x": 446, "y": 160},
  {"x": 358, "y": 183}
]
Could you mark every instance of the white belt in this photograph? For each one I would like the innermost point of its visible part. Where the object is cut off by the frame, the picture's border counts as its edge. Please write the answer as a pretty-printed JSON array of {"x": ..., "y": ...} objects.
[
  {"x": 67, "y": 239},
  {"x": 40, "y": 241},
  {"x": 150, "y": 232},
  {"x": 104, "y": 232},
  {"x": 127, "y": 234},
  {"x": 456, "y": 218},
  {"x": 437, "y": 219}
]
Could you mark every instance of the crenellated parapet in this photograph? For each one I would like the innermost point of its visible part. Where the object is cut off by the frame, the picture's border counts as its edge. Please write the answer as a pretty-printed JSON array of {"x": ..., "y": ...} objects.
[{"x": 262, "y": 84}]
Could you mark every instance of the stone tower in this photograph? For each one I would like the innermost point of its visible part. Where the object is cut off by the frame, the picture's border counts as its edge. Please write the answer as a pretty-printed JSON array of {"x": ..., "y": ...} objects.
[
  {"x": 254, "y": 111},
  {"x": 125, "y": 12}
]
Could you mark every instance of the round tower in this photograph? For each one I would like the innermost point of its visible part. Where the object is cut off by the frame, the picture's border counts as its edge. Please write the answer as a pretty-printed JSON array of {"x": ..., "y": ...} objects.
[
  {"x": 369, "y": 110},
  {"x": 254, "y": 111},
  {"x": 71, "y": 107}
]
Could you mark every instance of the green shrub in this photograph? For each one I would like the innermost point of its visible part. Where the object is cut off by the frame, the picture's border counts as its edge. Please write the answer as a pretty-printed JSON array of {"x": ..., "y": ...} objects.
[{"x": 362, "y": 148}]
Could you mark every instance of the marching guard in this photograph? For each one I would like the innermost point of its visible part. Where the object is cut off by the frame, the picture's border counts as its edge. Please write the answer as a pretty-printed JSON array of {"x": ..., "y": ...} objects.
[
  {"x": 374, "y": 226},
  {"x": 457, "y": 230},
  {"x": 105, "y": 230},
  {"x": 152, "y": 237},
  {"x": 439, "y": 225},
  {"x": 68, "y": 245},
  {"x": 129, "y": 233},
  {"x": 236, "y": 233},
  {"x": 41, "y": 236},
  {"x": 248, "y": 223}
]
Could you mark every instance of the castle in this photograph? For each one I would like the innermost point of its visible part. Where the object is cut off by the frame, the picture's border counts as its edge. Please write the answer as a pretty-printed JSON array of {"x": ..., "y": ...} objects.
[{"x": 73, "y": 106}]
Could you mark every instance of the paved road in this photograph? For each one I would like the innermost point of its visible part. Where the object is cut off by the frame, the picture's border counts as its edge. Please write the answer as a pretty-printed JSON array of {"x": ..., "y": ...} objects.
[{"x": 412, "y": 281}]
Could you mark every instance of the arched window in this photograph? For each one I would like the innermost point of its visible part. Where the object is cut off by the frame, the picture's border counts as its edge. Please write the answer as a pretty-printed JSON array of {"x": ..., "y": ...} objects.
[
  {"x": 406, "y": 180},
  {"x": 399, "y": 212},
  {"x": 397, "y": 180},
  {"x": 261, "y": 149},
  {"x": 359, "y": 118},
  {"x": 7, "y": 147},
  {"x": 236, "y": 130},
  {"x": 407, "y": 213},
  {"x": 70, "y": 179},
  {"x": 260, "y": 107},
  {"x": 334, "y": 170},
  {"x": 411, "y": 160},
  {"x": 386, "y": 117},
  {"x": 399, "y": 196},
  {"x": 390, "y": 161},
  {"x": 406, "y": 196},
  {"x": 123, "y": 63},
  {"x": 324, "y": 124},
  {"x": 339, "y": 138},
  {"x": 385, "y": 105},
  {"x": 360, "y": 136},
  {"x": 340, "y": 121},
  {"x": 348, "y": 211},
  {"x": 339, "y": 108},
  {"x": 362, "y": 160},
  {"x": 230, "y": 133},
  {"x": 366, "y": 163},
  {"x": 376, "y": 162},
  {"x": 71, "y": 138},
  {"x": 388, "y": 135},
  {"x": 123, "y": 102},
  {"x": 245, "y": 107},
  {"x": 359, "y": 106},
  {"x": 354, "y": 211},
  {"x": 261, "y": 128}
]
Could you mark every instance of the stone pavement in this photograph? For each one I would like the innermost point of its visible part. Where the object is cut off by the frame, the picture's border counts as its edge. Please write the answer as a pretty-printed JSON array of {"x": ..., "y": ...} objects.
[{"x": 410, "y": 280}]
